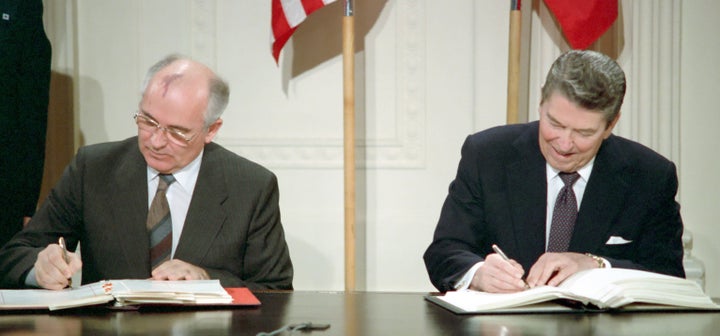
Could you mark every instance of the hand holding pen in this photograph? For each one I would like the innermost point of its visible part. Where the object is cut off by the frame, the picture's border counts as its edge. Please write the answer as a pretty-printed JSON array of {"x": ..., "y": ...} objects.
[
  {"x": 54, "y": 267},
  {"x": 498, "y": 274},
  {"x": 505, "y": 257},
  {"x": 66, "y": 257}
]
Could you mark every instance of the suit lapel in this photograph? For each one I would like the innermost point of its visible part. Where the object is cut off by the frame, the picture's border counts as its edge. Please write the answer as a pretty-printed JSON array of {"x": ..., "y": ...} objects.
[
  {"x": 527, "y": 196},
  {"x": 206, "y": 213},
  {"x": 604, "y": 196},
  {"x": 131, "y": 206}
]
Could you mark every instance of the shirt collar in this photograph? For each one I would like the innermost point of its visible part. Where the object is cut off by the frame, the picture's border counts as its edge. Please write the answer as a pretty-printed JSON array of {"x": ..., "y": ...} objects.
[
  {"x": 185, "y": 177},
  {"x": 584, "y": 171}
]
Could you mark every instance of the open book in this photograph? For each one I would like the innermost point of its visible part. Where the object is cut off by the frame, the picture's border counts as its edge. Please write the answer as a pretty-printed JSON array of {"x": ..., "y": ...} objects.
[
  {"x": 128, "y": 293},
  {"x": 597, "y": 289}
]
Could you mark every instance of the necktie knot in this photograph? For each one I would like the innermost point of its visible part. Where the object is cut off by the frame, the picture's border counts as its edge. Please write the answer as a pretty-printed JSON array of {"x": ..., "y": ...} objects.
[
  {"x": 165, "y": 181},
  {"x": 569, "y": 178}
]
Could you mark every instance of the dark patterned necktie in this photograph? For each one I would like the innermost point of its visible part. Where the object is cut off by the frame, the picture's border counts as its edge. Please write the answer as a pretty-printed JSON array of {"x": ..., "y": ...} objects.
[
  {"x": 564, "y": 215},
  {"x": 159, "y": 223}
]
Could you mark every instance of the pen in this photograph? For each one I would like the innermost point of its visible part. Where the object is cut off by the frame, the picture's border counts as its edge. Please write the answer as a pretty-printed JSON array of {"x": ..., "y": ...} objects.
[
  {"x": 505, "y": 257},
  {"x": 61, "y": 242}
]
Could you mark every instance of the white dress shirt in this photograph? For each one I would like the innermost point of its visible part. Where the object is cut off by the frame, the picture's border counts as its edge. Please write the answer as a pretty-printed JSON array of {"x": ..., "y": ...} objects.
[
  {"x": 179, "y": 195},
  {"x": 555, "y": 183}
]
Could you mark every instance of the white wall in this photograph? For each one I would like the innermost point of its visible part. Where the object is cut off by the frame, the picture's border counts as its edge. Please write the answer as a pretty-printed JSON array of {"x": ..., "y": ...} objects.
[
  {"x": 428, "y": 74},
  {"x": 700, "y": 157}
]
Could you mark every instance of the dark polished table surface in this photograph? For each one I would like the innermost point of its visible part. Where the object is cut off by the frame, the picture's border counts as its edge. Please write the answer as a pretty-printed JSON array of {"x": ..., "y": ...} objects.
[{"x": 362, "y": 313}]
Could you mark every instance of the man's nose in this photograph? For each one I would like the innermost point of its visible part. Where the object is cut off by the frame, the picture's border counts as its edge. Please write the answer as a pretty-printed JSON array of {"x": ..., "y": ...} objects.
[
  {"x": 158, "y": 138},
  {"x": 565, "y": 142}
]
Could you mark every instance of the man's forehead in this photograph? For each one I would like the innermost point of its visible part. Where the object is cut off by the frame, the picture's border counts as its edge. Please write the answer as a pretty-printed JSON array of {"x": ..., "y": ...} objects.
[
  {"x": 184, "y": 82},
  {"x": 166, "y": 81}
]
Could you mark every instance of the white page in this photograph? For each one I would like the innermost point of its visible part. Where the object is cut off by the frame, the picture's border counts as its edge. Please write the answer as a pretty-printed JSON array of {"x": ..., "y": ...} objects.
[{"x": 43, "y": 298}]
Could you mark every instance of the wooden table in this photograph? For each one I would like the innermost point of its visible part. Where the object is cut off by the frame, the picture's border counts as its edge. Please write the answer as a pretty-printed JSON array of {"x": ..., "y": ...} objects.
[{"x": 362, "y": 313}]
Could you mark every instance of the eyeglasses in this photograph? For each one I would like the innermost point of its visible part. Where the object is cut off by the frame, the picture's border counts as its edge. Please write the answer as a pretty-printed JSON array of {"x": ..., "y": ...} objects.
[{"x": 175, "y": 135}]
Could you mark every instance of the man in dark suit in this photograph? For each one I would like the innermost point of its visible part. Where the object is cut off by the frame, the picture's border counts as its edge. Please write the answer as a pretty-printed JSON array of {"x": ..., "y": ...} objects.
[
  {"x": 510, "y": 176},
  {"x": 223, "y": 208},
  {"x": 24, "y": 95}
]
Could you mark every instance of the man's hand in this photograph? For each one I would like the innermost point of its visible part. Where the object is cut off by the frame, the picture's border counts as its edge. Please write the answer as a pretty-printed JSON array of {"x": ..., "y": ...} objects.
[
  {"x": 51, "y": 270},
  {"x": 497, "y": 275},
  {"x": 176, "y": 269},
  {"x": 552, "y": 268}
]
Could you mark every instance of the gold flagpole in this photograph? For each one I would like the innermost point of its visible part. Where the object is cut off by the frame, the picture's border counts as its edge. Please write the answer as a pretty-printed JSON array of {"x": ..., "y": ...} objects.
[
  {"x": 349, "y": 143},
  {"x": 514, "y": 63}
]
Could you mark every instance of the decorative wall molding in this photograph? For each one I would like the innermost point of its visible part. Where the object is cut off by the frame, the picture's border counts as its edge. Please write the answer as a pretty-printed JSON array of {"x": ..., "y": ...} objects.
[
  {"x": 652, "y": 61},
  {"x": 403, "y": 148}
]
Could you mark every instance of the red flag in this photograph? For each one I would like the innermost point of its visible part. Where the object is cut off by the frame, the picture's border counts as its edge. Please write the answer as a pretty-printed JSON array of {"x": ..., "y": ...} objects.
[
  {"x": 286, "y": 16},
  {"x": 583, "y": 21}
]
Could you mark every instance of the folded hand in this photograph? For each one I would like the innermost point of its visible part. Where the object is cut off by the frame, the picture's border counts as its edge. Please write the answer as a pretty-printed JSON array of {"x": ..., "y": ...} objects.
[{"x": 176, "y": 269}]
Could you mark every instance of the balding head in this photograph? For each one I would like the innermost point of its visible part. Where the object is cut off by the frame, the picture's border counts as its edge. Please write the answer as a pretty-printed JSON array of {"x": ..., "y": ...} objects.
[
  {"x": 195, "y": 82},
  {"x": 182, "y": 100}
]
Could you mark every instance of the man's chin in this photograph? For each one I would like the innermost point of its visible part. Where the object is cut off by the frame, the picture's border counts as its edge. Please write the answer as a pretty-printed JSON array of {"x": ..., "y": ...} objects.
[
  {"x": 564, "y": 166},
  {"x": 160, "y": 165}
]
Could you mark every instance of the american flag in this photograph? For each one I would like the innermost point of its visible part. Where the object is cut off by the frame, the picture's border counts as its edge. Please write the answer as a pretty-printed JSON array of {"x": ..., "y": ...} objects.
[{"x": 287, "y": 16}]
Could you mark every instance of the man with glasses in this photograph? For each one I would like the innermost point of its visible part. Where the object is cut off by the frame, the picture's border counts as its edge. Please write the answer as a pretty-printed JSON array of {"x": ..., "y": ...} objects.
[{"x": 219, "y": 214}]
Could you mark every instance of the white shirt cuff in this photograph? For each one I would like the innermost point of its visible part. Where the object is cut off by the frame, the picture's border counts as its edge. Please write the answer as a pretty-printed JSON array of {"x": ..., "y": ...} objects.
[
  {"x": 30, "y": 279},
  {"x": 466, "y": 280}
]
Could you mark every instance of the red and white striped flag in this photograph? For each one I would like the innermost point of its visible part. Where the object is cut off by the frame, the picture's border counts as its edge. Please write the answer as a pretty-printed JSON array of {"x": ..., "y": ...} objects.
[
  {"x": 286, "y": 16},
  {"x": 583, "y": 21}
]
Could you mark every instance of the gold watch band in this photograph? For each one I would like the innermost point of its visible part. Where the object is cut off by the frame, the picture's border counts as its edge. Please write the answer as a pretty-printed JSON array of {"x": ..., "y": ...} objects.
[{"x": 600, "y": 261}]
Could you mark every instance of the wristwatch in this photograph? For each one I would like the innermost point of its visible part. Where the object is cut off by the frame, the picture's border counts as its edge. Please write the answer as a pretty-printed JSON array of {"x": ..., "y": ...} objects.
[{"x": 600, "y": 261}]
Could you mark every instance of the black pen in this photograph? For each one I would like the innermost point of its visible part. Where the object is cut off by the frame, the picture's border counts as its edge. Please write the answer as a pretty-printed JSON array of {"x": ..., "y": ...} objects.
[
  {"x": 504, "y": 256},
  {"x": 61, "y": 242}
]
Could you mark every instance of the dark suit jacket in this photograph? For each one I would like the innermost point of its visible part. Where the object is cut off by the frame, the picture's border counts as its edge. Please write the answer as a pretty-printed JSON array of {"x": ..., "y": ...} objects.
[
  {"x": 232, "y": 229},
  {"x": 24, "y": 94},
  {"x": 499, "y": 197}
]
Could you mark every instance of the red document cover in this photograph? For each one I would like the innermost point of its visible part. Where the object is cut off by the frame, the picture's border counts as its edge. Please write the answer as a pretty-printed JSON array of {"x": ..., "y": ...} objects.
[{"x": 242, "y": 296}]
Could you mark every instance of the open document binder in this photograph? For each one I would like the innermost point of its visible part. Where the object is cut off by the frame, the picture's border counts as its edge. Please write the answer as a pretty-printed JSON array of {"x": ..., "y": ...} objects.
[
  {"x": 129, "y": 293},
  {"x": 603, "y": 289}
]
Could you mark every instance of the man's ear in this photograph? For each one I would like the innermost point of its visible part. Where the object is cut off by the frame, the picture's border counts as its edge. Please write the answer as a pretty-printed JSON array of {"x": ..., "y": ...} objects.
[
  {"x": 212, "y": 130},
  {"x": 611, "y": 126}
]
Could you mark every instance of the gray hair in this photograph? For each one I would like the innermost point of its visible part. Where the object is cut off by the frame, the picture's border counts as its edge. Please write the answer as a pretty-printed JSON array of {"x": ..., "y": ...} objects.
[
  {"x": 589, "y": 79},
  {"x": 219, "y": 90}
]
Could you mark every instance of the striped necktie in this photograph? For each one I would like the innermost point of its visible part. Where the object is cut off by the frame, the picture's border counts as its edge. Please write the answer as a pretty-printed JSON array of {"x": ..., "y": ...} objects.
[{"x": 159, "y": 223}]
